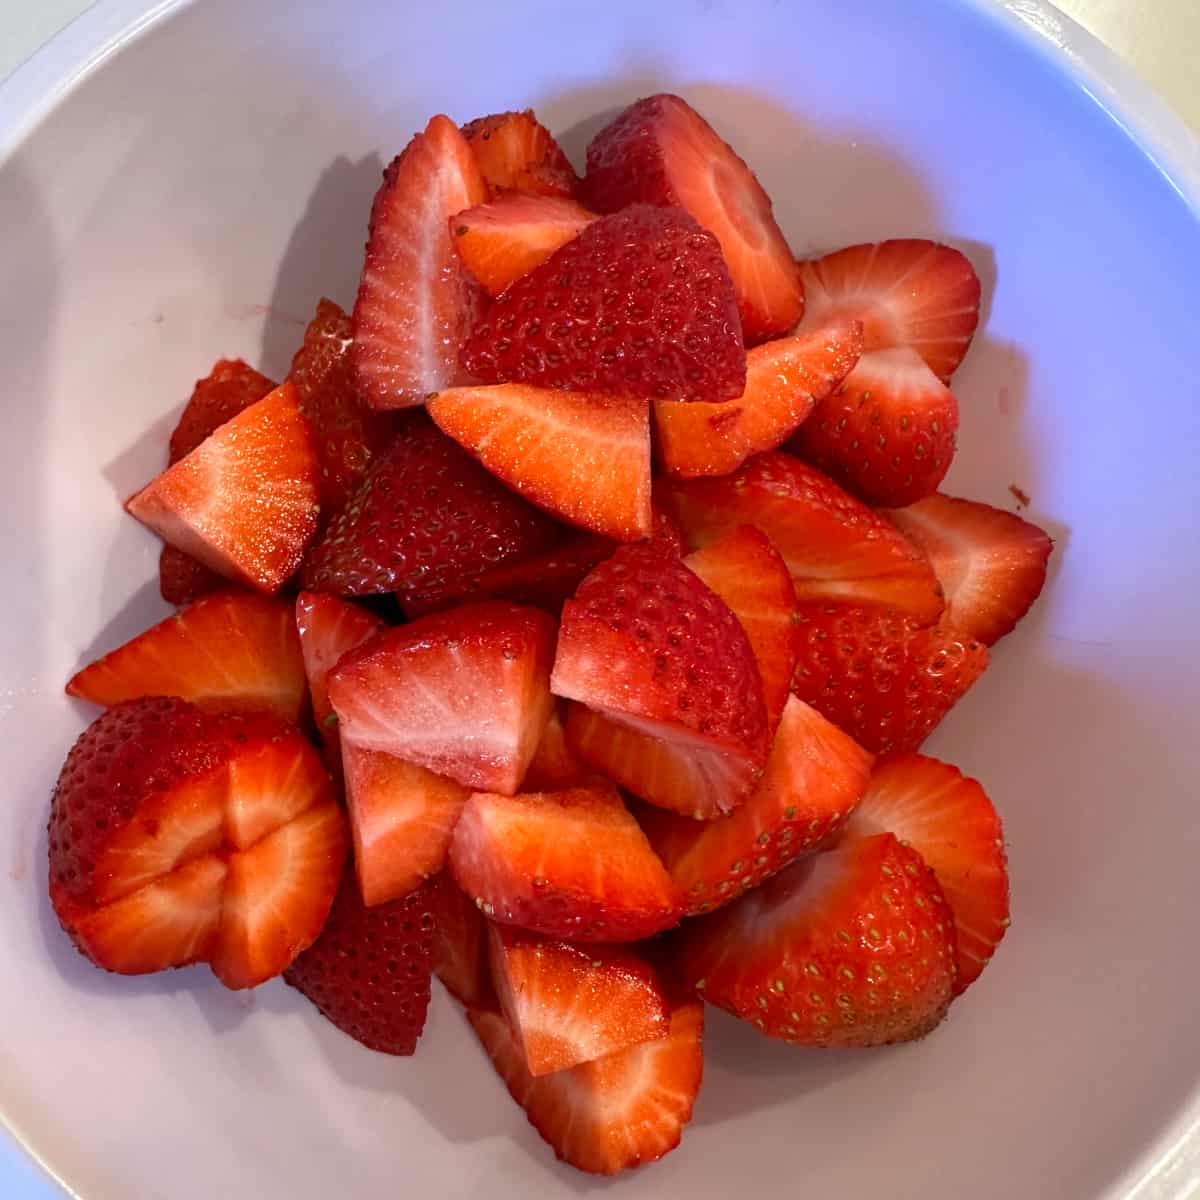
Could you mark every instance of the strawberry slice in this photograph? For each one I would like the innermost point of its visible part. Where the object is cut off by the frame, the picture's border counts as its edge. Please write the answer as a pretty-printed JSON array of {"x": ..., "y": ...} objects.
[
  {"x": 880, "y": 676},
  {"x": 508, "y": 237},
  {"x": 516, "y": 152},
  {"x": 906, "y": 292},
  {"x": 949, "y": 820},
  {"x": 991, "y": 563},
  {"x": 835, "y": 547},
  {"x": 640, "y": 303},
  {"x": 888, "y": 433},
  {"x": 847, "y": 948},
  {"x": 813, "y": 780},
  {"x": 244, "y": 502},
  {"x": 463, "y": 693},
  {"x": 368, "y": 972},
  {"x": 460, "y": 948},
  {"x": 570, "y": 1004},
  {"x": 661, "y": 151},
  {"x": 571, "y": 864},
  {"x": 228, "y": 651},
  {"x": 555, "y": 766},
  {"x": 181, "y": 579},
  {"x": 585, "y": 458},
  {"x": 785, "y": 379},
  {"x": 425, "y": 517},
  {"x": 620, "y": 1111},
  {"x": 415, "y": 299}
]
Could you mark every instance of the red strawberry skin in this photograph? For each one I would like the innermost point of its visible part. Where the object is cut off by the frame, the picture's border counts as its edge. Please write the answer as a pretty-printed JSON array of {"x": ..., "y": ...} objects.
[
  {"x": 639, "y": 304},
  {"x": 182, "y": 579}
]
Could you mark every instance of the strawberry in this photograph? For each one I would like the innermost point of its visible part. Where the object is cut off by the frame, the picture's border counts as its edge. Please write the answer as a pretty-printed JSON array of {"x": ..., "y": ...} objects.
[
  {"x": 906, "y": 292},
  {"x": 571, "y": 864},
  {"x": 415, "y": 299},
  {"x": 181, "y": 579},
  {"x": 228, "y": 389},
  {"x": 460, "y": 948},
  {"x": 785, "y": 379},
  {"x": 623, "y": 1110},
  {"x": 835, "y": 547},
  {"x": 584, "y": 458},
  {"x": 425, "y": 516},
  {"x": 517, "y": 153},
  {"x": 888, "y": 433},
  {"x": 991, "y": 563},
  {"x": 878, "y": 675},
  {"x": 554, "y": 766},
  {"x": 506, "y": 238},
  {"x": 649, "y": 646},
  {"x": 640, "y": 303},
  {"x": 573, "y": 1004},
  {"x": 368, "y": 972},
  {"x": 853, "y": 947},
  {"x": 244, "y": 502},
  {"x": 464, "y": 693},
  {"x": 231, "y": 650},
  {"x": 661, "y": 151}
]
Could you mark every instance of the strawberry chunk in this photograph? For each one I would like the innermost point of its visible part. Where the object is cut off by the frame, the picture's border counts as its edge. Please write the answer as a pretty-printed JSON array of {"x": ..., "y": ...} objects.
[
  {"x": 835, "y": 547},
  {"x": 571, "y": 864},
  {"x": 555, "y": 765},
  {"x": 785, "y": 380},
  {"x": 460, "y": 947},
  {"x": 990, "y": 563},
  {"x": 416, "y": 300},
  {"x": 231, "y": 651},
  {"x": 585, "y": 458},
  {"x": 181, "y": 579},
  {"x": 244, "y": 502},
  {"x": 463, "y": 693},
  {"x": 516, "y": 152},
  {"x": 228, "y": 389},
  {"x": 640, "y": 303},
  {"x": 661, "y": 151},
  {"x": 848, "y": 948}
]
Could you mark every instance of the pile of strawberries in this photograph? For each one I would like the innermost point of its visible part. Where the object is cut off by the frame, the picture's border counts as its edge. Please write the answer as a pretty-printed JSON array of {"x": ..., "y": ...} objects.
[{"x": 567, "y": 625}]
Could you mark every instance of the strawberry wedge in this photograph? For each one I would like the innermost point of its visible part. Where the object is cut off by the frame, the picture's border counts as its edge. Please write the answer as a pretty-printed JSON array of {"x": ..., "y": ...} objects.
[{"x": 517, "y": 153}]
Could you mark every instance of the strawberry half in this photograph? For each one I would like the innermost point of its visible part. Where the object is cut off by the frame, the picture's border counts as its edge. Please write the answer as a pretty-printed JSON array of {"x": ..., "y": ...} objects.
[
  {"x": 814, "y": 778},
  {"x": 572, "y": 1004},
  {"x": 835, "y": 547},
  {"x": 415, "y": 299},
  {"x": 881, "y": 677},
  {"x": 244, "y": 502},
  {"x": 990, "y": 563},
  {"x": 853, "y": 947},
  {"x": 949, "y": 820},
  {"x": 906, "y": 292},
  {"x": 620, "y": 1111},
  {"x": 585, "y": 458},
  {"x": 640, "y": 303},
  {"x": 661, "y": 151},
  {"x": 460, "y": 944},
  {"x": 571, "y": 864},
  {"x": 785, "y": 379},
  {"x": 510, "y": 236},
  {"x": 463, "y": 693},
  {"x": 369, "y": 970},
  {"x": 516, "y": 152},
  {"x": 228, "y": 651},
  {"x": 888, "y": 433}
]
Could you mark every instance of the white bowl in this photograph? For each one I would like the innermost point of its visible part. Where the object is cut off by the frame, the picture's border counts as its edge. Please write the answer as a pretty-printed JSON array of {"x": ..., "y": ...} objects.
[{"x": 186, "y": 186}]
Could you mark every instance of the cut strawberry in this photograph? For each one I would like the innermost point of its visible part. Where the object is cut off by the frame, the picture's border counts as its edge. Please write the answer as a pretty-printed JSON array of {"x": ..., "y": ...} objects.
[
  {"x": 555, "y": 766},
  {"x": 785, "y": 379},
  {"x": 620, "y": 1111},
  {"x": 244, "y": 502},
  {"x": 517, "y": 153},
  {"x": 228, "y": 389},
  {"x": 853, "y": 947},
  {"x": 813, "y": 780},
  {"x": 991, "y": 563},
  {"x": 584, "y": 458},
  {"x": 464, "y": 693},
  {"x": 416, "y": 300},
  {"x": 949, "y": 820},
  {"x": 571, "y": 1004},
  {"x": 661, "y": 151},
  {"x": 369, "y": 970},
  {"x": 882, "y": 678},
  {"x": 640, "y": 304},
  {"x": 571, "y": 864},
  {"x": 181, "y": 579},
  {"x": 906, "y": 292},
  {"x": 228, "y": 651},
  {"x": 835, "y": 547},
  {"x": 460, "y": 950},
  {"x": 888, "y": 433}
]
